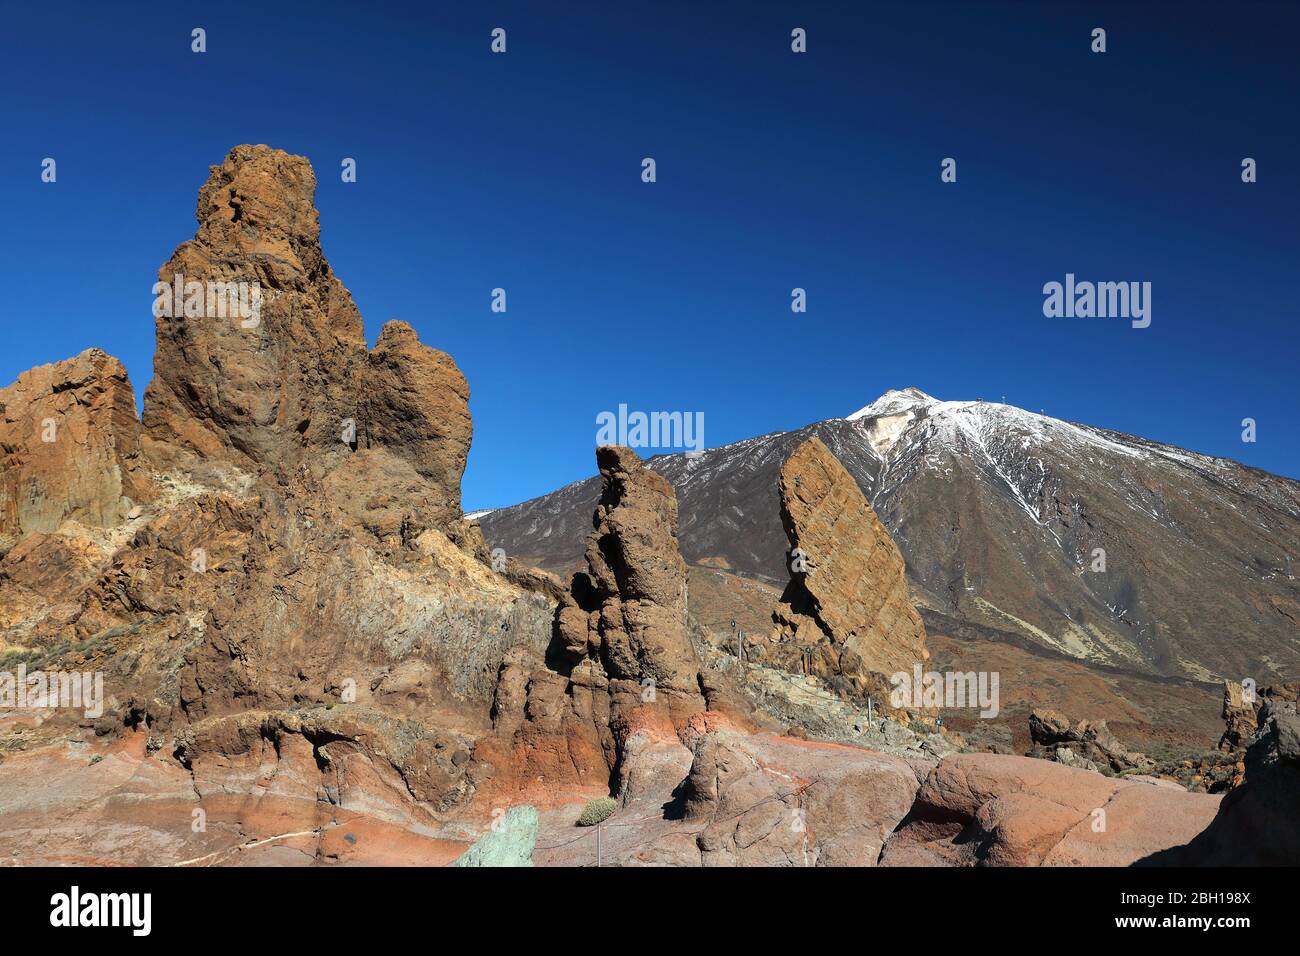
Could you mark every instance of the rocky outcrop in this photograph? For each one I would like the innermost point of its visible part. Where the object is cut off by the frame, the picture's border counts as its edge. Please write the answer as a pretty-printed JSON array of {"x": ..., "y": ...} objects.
[
  {"x": 1256, "y": 823},
  {"x": 300, "y": 572},
  {"x": 1086, "y": 744},
  {"x": 1223, "y": 769},
  {"x": 1001, "y": 810},
  {"x": 621, "y": 665},
  {"x": 261, "y": 387},
  {"x": 70, "y": 448},
  {"x": 846, "y": 615},
  {"x": 732, "y": 798},
  {"x": 416, "y": 404},
  {"x": 778, "y": 801},
  {"x": 627, "y": 611},
  {"x": 1240, "y": 716},
  {"x": 287, "y": 385}
]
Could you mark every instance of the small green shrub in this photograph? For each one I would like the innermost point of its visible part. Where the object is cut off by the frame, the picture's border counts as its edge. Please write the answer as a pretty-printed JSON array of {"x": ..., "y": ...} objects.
[{"x": 596, "y": 811}]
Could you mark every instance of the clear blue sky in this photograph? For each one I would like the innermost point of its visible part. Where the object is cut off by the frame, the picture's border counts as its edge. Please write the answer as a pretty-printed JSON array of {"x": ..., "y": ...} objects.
[{"x": 774, "y": 171}]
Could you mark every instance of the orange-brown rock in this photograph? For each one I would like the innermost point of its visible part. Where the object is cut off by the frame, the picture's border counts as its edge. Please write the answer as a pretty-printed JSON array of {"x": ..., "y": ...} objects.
[
  {"x": 999, "y": 810},
  {"x": 777, "y": 801},
  {"x": 1240, "y": 716},
  {"x": 415, "y": 404},
  {"x": 257, "y": 391},
  {"x": 1085, "y": 743},
  {"x": 304, "y": 551},
  {"x": 292, "y": 386},
  {"x": 621, "y": 665},
  {"x": 628, "y": 610},
  {"x": 846, "y": 615},
  {"x": 70, "y": 448}
]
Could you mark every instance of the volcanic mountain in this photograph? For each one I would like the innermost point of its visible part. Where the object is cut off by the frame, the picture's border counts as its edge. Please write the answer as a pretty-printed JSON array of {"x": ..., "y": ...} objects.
[{"x": 1079, "y": 541}]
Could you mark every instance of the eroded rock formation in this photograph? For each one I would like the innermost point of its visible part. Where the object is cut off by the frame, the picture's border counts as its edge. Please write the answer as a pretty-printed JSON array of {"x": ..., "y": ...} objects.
[
  {"x": 282, "y": 570},
  {"x": 1255, "y": 825},
  {"x": 846, "y": 615},
  {"x": 256, "y": 391},
  {"x": 628, "y": 610},
  {"x": 415, "y": 404},
  {"x": 1239, "y": 716},
  {"x": 621, "y": 664}
]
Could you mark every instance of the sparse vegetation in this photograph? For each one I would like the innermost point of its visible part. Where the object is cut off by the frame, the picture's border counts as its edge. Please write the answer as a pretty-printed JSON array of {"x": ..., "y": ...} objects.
[
  {"x": 14, "y": 656},
  {"x": 596, "y": 811}
]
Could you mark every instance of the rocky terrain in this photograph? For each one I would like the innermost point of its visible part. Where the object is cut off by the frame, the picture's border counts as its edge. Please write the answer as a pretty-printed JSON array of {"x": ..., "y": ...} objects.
[{"x": 309, "y": 656}]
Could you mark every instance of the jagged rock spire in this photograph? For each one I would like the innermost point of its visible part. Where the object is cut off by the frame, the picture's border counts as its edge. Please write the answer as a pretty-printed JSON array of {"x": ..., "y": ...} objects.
[{"x": 629, "y": 609}]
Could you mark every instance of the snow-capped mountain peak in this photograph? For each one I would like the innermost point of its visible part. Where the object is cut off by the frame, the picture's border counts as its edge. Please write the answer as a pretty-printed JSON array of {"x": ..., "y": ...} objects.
[{"x": 896, "y": 401}]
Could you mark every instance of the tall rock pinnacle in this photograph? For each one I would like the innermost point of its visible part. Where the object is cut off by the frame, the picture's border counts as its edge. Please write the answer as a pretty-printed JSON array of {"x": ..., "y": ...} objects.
[
  {"x": 629, "y": 609},
  {"x": 255, "y": 389},
  {"x": 621, "y": 665},
  {"x": 277, "y": 373}
]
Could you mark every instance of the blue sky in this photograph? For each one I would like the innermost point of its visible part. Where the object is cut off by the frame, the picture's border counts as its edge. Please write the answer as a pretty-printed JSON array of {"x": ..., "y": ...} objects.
[{"x": 775, "y": 170}]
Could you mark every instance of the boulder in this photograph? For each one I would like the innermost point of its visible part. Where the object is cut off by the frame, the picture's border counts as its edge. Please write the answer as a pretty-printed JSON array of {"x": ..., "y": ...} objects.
[
  {"x": 982, "y": 809},
  {"x": 1087, "y": 744},
  {"x": 781, "y": 801}
]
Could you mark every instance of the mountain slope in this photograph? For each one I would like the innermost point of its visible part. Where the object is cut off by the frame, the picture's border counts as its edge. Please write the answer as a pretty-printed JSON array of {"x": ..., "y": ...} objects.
[{"x": 998, "y": 513}]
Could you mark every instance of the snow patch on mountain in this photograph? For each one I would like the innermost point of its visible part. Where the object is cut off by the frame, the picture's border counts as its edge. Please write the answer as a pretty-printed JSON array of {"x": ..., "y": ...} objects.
[{"x": 894, "y": 402}]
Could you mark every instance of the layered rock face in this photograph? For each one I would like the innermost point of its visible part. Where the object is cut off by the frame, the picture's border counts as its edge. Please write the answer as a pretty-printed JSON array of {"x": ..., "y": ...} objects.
[
  {"x": 70, "y": 448},
  {"x": 846, "y": 615}
]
